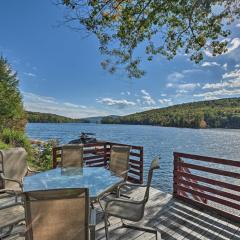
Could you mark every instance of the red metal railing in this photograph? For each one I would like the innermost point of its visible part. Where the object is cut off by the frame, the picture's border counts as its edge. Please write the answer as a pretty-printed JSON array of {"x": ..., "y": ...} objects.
[
  {"x": 212, "y": 187},
  {"x": 98, "y": 154}
]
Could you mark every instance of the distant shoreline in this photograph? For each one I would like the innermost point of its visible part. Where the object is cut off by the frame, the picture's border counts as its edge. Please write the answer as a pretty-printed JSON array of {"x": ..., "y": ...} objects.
[{"x": 134, "y": 125}]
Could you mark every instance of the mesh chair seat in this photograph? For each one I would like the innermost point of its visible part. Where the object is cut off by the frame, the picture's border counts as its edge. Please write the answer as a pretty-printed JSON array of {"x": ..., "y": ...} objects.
[
  {"x": 72, "y": 155},
  {"x": 57, "y": 214},
  {"x": 11, "y": 216},
  {"x": 125, "y": 209},
  {"x": 119, "y": 160},
  {"x": 14, "y": 166}
]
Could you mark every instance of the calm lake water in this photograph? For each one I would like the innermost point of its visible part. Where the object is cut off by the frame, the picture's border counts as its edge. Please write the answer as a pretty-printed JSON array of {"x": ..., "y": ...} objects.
[{"x": 155, "y": 140}]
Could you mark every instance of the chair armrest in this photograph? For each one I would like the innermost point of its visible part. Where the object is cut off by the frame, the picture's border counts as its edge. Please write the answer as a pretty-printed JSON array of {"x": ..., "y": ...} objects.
[
  {"x": 32, "y": 171},
  {"x": 128, "y": 184},
  {"x": 9, "y": 192},
  {"x": 11, "y": 179},
  {"x": 92, "y": 217},
  {"x": 122, "y": 201}
]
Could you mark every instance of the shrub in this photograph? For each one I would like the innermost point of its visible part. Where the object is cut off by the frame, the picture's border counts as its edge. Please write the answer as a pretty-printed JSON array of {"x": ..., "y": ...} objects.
[
  {"x": 3, "y": 145},
  {"x": 15, "y": 138},
  {"x": 42, "y": 155}
]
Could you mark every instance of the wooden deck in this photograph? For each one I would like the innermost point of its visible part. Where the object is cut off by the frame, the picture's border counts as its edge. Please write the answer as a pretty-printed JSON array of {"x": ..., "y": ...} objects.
[{"x": 173, "y": 218}]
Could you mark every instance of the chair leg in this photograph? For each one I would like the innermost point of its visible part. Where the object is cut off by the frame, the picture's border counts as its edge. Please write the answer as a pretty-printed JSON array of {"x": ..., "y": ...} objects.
[
  {"x": 106, "y": 226},
  {"x": 145, "y": 229}
]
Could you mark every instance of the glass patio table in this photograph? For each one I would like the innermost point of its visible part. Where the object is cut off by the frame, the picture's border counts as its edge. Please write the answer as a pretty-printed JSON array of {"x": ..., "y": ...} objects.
[{"x": 97, "y": 179}]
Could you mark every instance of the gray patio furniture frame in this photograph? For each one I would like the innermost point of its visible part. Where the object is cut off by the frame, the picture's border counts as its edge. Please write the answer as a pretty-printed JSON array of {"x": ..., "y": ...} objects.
[
  {"x": 128, "y": 209},
  {"x": 72, "y": 155},
  {"x": 14, "y": 167},
  {"x": 56, "y": 214}
]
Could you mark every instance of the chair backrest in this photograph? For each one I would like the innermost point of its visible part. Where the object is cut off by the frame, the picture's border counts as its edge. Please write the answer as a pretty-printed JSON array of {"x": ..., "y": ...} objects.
[
  {"x": 13, "y": 163},
  {"x": 72, "y": 155},
  {"x": 119, "y": 159},
  {"x": 154, "y": 165},
  {"x": 57, "y": 214}
]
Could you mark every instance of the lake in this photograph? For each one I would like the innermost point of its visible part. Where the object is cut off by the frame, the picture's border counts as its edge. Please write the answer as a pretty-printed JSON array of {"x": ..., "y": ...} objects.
[{"x": 163, "y": 141}]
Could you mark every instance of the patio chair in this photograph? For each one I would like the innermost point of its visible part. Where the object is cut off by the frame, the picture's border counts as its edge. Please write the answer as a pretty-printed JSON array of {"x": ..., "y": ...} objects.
[
  {"x": 72, "y": 155},
  {"x": 119, "y": 160},
  {"x": 54, "y": 214},
  {"x": 131, "y": 210},
  {"x": 13, "y": 167},
  {"x": 11, "y": 212},
  {"x": 57, "y": 214}
]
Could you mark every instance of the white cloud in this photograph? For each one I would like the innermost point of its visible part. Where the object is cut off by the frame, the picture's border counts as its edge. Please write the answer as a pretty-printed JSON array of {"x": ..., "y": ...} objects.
[
  {"x": 210, "y": 64},
  {"x": 165, "y": 101},
  {"x": 218, "y": 93},
  {"x": 232, "y": 74},
  {"x": 126, "y": 93},
  {"x": 224, "y": 66},
  {"x": 188, "y": 86},
  {"x": 29, "y": 74},
  {"x": 169, "y": 85},
  {"x": 119, "y": 103},
  {"x": 37, "y": 103},
  {"x": 189, "y": 71},
  {"x": 147, "y": 99},
  {"x": 234, "y": 44},
  {"x": 238, "y": 25},
  {"x": 73, "y": 105},
  {"x": 163, "y": 95},
  {"x": 184, "y": 86},
  {"x": 175, "y": 76},
  {"x": 233, "y": 83}
]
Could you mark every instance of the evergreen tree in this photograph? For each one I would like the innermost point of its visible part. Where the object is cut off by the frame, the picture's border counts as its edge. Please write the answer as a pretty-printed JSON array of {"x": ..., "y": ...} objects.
[{"x": 12, "y": 114}]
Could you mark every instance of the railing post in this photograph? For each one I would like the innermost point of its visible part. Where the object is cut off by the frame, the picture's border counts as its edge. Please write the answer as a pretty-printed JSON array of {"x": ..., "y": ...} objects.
[
  {"x": 105, "y": 154},
  {"x": 54, "y": 157},
  {"x": 141, "y": 166},
  {"x": 175, "y": 174}
]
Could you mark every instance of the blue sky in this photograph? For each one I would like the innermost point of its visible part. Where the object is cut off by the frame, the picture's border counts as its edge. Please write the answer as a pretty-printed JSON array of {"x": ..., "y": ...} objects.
[{"x": 60, "y": 72}]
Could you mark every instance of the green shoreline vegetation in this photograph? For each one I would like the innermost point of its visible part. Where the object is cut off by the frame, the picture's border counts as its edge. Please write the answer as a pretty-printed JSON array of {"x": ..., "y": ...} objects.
[
  {"x": 221, "y": 113},
  {"x": 37, "y": 117},
  {"x": 13, "y": 119}
]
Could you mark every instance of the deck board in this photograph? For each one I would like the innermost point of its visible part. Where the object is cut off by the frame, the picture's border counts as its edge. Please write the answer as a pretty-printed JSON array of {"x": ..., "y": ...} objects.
[{"x": 174, "y": 219}]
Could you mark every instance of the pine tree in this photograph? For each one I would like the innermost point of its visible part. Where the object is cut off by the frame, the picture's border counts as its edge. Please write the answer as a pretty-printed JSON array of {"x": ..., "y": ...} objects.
[{"x": 12, "y": 114}]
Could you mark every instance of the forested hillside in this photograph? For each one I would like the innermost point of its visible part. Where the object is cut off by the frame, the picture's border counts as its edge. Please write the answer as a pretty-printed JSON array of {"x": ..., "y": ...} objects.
[
  {"x": 38, "y": 117},
  {"x": 222, "y": 113}
]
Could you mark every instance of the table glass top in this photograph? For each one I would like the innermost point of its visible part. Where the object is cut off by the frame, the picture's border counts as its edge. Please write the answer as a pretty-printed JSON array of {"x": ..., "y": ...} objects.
[{"x": 97, "y": 179}]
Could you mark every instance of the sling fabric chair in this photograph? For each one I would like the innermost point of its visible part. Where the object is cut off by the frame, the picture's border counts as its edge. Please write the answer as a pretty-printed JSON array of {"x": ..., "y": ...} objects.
[
  {"x": 57, "y": 214},
  {"x": 11, "y": 212},
  {"x": 128, "y": 209},
  {"x": 72, "y": 155},
  {"x": 13, "y": 167},
  {"x": 119, "y": 160}
]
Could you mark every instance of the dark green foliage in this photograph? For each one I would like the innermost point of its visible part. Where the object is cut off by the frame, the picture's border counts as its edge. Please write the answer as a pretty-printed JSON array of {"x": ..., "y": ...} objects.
[
  {"x": 162, "y": 27},
  {"x": 42, "y": 155},
  {"x": 222, "y": 113},
  {"x": 36, "y": 117},
  {"x": 12, "y": 114},
  {"x": 15, "y": 138}
]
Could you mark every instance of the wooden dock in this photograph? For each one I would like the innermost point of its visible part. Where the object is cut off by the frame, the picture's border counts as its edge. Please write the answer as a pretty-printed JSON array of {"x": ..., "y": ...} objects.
[{"x": 173, "y": 218}]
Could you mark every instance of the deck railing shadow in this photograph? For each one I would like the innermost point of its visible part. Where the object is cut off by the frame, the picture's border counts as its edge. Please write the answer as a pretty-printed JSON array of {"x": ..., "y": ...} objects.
[{"x": 170, "y": 222}]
